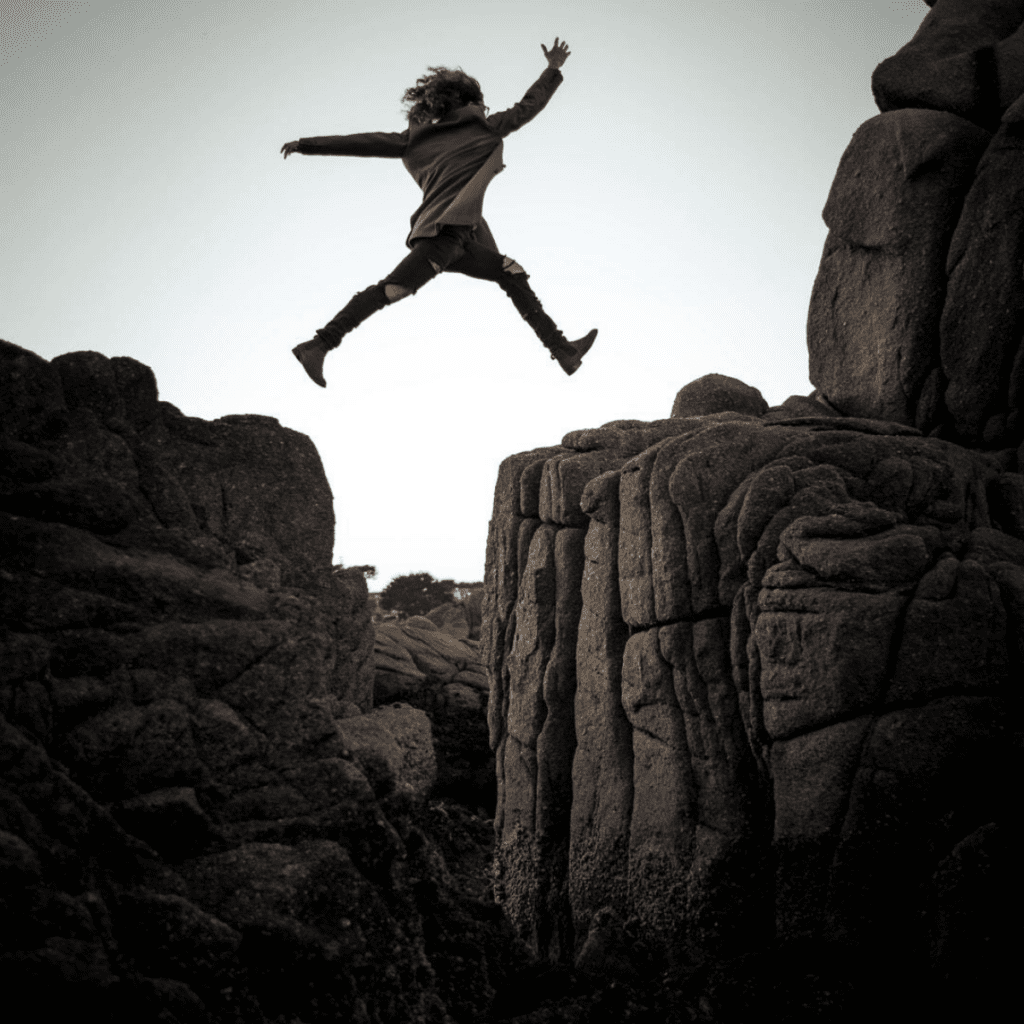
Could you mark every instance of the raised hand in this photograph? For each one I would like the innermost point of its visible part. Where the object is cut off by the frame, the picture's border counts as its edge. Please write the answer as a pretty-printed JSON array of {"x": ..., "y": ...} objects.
[
  {"x": 558, "y": 53},
  {"x": 288, "y": 148}
]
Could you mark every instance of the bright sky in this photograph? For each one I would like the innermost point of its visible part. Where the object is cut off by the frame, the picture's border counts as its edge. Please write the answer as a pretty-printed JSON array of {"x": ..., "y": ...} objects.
[{"x": 670, "y": 195}]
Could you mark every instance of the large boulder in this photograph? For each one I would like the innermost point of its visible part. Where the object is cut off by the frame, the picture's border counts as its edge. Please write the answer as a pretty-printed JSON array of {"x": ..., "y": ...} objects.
[
  {"x": 873, "y": 322},
  {"x": 966, "y": 58},
  {"x": 915, "y": 311},
  {"x": 441, "y": 674},
  {"x": 756, "y": 698},
  {"x": 202, "y": 816},
  {"x": 394, "y": 748},
  {"x": 714, "y": 392}
]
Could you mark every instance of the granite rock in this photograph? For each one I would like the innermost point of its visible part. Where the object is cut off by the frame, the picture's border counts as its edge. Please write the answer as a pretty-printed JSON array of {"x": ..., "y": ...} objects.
[
  {"x": 873, "y": 322},
  {"x": 202, "y": 815},
  {"x": 966, "y": 58},
  {"x": 715, "y": 392},
  {"x": 764, "y": 605},
  {"x": 441, "y": 674}
]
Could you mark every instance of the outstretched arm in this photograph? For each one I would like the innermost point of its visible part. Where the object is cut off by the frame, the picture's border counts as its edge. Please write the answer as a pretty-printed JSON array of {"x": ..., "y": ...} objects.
[
  {"x": 388, "y": 144},
  {"x": 537, "y": 95}
]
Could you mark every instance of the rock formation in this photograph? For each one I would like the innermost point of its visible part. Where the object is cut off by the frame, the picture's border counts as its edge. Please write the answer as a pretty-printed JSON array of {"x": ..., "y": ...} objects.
[
  {"x": 427, "y": 667},
  {"x": 203, "y": 816},
  {"x": 763, "y": 616},
  {"x": 916, "y": 313},
  {"x": 967, "y": 58},
  {"x": 754, "y": 671}
]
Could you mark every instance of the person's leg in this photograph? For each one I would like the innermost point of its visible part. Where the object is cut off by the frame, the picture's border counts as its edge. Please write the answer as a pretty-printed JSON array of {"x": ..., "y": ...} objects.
[
  {"x": 488, "y": 265},
  {"x": 427, "y": 259}
]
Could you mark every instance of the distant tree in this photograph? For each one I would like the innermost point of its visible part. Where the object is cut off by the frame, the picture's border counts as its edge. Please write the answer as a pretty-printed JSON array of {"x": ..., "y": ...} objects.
[{"x": 416, "y": 593}]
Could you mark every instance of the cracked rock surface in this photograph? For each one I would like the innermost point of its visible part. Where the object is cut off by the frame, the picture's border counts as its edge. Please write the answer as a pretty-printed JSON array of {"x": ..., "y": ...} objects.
[
  {"x": 760, "y": 693},
  {"x": 203, "y": 814},
  {"x": 439, "y": 670}
]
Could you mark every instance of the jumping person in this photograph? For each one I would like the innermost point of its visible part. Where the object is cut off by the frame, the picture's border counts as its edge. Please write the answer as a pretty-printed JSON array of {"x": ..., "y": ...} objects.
[{"x": 453, "y": 150}]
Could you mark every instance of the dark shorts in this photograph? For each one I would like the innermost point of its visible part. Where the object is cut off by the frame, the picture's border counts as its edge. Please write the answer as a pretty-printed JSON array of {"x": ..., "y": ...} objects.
[{"x": 455, "y": 249}]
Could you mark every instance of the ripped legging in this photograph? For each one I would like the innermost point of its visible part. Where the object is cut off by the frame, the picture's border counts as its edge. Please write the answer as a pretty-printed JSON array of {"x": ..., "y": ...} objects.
[{"x": 454, "y": 249}]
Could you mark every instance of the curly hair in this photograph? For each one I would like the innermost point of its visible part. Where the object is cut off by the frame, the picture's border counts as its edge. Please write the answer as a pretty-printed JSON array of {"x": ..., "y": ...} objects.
[{"x": 437, "y": 94}]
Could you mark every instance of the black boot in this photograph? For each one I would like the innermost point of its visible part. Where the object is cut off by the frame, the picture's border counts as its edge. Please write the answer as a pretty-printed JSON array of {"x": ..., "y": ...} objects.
[
  {"x": 360, "y": 307},
  {"x": 569, "y": 354}
]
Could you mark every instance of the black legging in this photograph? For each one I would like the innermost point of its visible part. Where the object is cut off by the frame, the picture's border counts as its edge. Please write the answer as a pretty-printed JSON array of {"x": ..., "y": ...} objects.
[{"x": 455, "y": 249}]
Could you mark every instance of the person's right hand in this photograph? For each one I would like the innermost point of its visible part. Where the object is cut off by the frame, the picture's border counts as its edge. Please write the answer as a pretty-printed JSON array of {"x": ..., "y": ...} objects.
[
  {"x": 289, "y": 148},
  {"x": 557, "y": 54}
]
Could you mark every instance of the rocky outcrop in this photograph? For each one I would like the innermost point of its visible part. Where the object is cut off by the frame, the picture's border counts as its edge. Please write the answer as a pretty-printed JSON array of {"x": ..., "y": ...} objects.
[
  {"x": 980, "y": 334},
  {"x": 873, "y": 325},
  {"x": 967, "y": 57},
  {"x": 440, "y": 672},
  {"x": 754, "y": 671},
  {"x": 751, "y": 683},
  {"x": 203, "y": 814},
  {"x": 916, "y": 309}
]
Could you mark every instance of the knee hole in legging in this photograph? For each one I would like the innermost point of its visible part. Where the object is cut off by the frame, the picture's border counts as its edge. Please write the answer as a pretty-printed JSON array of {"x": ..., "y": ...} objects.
[
  {"x": 394, "y": 292},
  {"x": 510, "y": 266}
]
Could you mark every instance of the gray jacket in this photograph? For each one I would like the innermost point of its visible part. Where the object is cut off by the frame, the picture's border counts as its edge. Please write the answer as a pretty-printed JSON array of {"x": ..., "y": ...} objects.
[{"x": 452, "y": 160}]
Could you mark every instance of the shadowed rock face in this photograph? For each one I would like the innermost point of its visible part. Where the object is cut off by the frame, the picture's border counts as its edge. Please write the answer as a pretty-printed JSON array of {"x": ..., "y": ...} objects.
[
  {"x": 202, "y": 814},
  {"x": 966, "y": 58},
  {"x": 873, "y": 324},
  {"x": 427, "y": 667},
  {"x": 916, "y": 313},
  {"x": 762, "y": 693}
]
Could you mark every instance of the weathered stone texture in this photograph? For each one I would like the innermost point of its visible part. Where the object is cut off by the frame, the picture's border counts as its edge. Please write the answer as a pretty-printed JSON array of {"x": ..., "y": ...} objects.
[
  {"x": 506, "y": 557},
  {"x": 873, "y": 321},
  {"x": 442, "y": 674},
  {"x": 800, "y": 626},
  {"x": 916, "y": 310},
  {"x": 532, "y": 667},
  {"x": 983, "y": 317},
  {"x": 715, "y": 392},
  {"x": 602, "y": 773},
  {"x": 965, "y": 58},
  {"x": 763, "y": 601},
  {"x": 201, "y": 809}
]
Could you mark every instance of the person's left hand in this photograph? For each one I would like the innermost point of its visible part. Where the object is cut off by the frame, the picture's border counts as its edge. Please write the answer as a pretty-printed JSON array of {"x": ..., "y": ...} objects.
[
  {"x": 557, "y": 54},
  {"x": 289, "y": 148}
]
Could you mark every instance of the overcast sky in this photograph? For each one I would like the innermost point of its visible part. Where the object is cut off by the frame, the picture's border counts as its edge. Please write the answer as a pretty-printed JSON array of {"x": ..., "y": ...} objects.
[{"x": 670, "y": 195}]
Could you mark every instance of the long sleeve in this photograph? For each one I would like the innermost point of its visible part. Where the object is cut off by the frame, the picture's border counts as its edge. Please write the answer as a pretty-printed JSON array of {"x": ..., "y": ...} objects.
[
  {"x": 535, "y": 100},
  {"x": 387, "y": 144}
]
